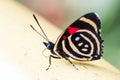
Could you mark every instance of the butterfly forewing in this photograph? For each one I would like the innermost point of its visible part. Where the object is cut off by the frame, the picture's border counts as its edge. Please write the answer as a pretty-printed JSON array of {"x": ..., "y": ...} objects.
[{"x": 81, "y": 40}]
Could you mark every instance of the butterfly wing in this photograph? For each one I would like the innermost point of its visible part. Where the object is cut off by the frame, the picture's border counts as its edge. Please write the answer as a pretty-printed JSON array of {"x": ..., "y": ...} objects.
[{"x": 81, "y": 40}]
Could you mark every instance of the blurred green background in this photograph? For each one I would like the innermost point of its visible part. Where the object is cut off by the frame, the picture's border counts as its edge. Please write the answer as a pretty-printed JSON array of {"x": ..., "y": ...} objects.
[{"x": 63, "y": 12}]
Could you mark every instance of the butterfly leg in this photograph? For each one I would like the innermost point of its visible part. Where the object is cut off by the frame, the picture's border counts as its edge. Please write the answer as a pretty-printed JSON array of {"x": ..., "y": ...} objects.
[
  {"x": 67, "y": 58},
  {"x": 51, "y": 56}
]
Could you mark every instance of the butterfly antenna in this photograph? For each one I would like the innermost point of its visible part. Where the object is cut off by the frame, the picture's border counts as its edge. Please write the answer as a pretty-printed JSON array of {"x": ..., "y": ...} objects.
[
  {"x": 38, "y": 33},
  {"x": 45, "y": 37}
]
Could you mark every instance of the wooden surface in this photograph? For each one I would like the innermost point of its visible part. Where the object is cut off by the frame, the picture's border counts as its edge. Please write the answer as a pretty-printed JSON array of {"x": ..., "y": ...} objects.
[{"x": 21, "y": 51}]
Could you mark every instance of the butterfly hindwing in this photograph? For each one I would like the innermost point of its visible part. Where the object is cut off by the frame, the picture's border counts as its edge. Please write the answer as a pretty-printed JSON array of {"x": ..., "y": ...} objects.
[{"x": 81, "y": 40}]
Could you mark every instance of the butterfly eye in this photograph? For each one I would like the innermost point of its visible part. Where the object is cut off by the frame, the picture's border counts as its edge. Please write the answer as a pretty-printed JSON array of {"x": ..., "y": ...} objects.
[{"x": 77, "y": 38}]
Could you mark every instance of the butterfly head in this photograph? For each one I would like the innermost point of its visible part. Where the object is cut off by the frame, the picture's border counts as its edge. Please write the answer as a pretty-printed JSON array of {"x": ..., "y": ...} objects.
[{"x": 49, "y": 45}]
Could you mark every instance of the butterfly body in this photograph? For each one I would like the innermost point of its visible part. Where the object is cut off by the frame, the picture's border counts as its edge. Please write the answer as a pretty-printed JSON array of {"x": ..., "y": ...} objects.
[{"x": 80, "y": 41}]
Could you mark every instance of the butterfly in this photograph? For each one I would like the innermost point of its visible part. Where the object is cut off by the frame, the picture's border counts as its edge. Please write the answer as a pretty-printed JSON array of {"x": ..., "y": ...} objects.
[{"x": 81, "y": 41}]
